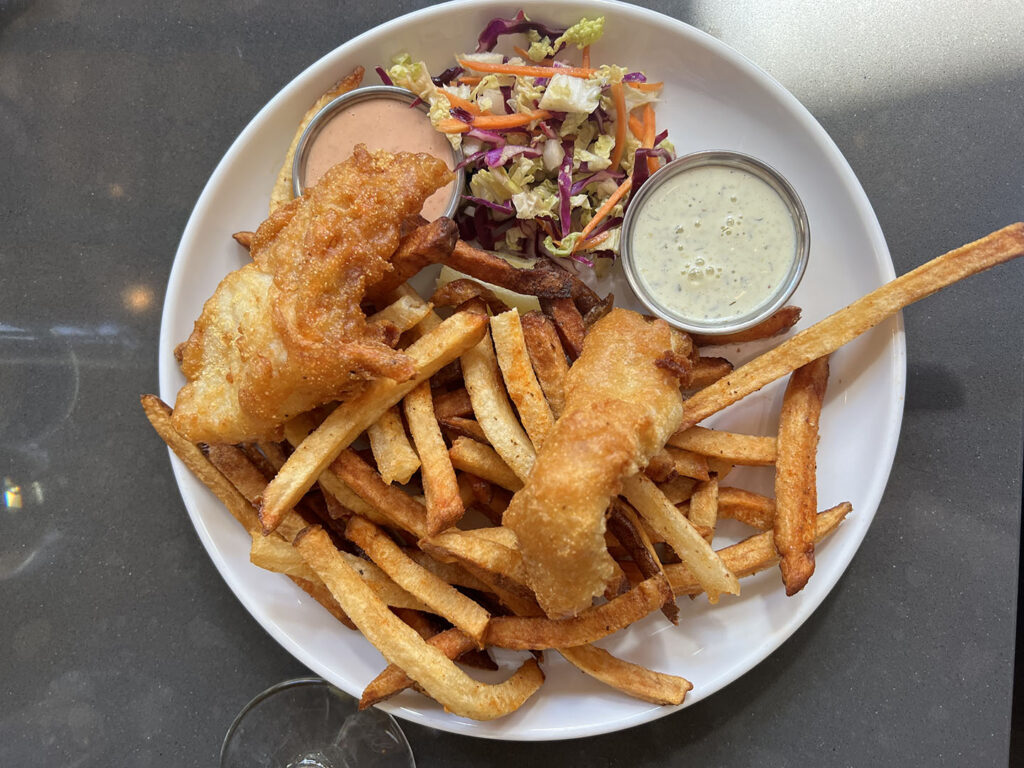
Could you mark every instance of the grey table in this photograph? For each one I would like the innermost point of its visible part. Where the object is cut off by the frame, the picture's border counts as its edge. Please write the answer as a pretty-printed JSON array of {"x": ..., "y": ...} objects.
[{"x": 120, "y": 644}]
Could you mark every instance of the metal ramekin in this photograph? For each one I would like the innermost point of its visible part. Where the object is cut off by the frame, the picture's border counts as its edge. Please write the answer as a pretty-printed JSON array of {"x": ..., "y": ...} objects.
[
  {"x": 732, "y": 160},
  {"x": 348, "y": 99}
]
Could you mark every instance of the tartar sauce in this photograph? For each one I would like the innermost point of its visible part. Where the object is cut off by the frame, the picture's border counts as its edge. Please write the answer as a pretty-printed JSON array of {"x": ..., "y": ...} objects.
[
  {"x": 713, "y": 243},
  {"x": 379, "y": 123}
]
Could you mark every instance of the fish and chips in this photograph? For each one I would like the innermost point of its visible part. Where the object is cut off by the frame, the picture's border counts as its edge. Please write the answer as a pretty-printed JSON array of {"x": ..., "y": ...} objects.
[{"x": 534, "y": 480}]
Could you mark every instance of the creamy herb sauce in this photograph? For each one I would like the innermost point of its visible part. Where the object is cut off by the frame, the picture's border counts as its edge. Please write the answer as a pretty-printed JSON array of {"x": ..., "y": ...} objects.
[{"x": 713, "y": 243}]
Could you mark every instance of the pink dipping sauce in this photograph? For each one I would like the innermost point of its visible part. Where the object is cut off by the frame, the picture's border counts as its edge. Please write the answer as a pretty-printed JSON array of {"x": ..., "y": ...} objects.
[{"x": 381, "y": 123}]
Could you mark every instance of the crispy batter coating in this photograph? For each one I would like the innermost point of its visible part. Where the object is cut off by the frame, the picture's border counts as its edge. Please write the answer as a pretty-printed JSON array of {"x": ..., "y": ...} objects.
[
  {"x": 286, "y": 333},
  {"x": 620, "y": 408}
]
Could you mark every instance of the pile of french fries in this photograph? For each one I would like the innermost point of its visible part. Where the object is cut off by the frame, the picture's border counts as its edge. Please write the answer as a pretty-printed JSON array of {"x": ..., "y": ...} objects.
[{"x": 403, "y": 540}]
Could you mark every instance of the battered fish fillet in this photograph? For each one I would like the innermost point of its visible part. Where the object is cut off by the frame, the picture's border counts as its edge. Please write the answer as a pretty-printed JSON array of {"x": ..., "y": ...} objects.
[
  {"x": 620, "y": 409},
  {"x": 286, "y": 333}
]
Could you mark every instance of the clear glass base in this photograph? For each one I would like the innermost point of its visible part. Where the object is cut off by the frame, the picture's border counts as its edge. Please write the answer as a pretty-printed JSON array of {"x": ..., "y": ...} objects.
[{"x": 310, "y": 723}]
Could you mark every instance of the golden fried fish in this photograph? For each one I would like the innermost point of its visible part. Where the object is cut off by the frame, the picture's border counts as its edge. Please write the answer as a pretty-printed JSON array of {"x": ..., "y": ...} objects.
[{"x": 286, "y": 333}]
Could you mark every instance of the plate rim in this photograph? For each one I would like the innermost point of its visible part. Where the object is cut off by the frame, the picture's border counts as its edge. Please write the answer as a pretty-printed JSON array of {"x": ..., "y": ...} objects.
[{"x": 895, "y": 348}]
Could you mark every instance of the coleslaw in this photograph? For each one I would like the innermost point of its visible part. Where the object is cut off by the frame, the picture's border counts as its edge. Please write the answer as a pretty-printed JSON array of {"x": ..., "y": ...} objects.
[{"x": 553, "y": 147}]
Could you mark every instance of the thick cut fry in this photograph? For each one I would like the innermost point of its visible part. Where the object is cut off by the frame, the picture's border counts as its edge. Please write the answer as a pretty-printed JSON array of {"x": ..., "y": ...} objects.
[
  {"x": 441, "y": 597},
  {"x": 481, "y": 460},
  {"x": 395, "y": 457},
  {"x": 394, "y": 504},
  {"x": 402, "y": 314},
  {"x": 239, "y": 470},
  {"x": 454, "y": 403},
  {"x": 453, "y": 573},
  {"x": 282, "y": 191},
  {"x": 493, "y": 410},
  {"x": 703, "y": 512},
  {"x": 632, "y": 679},
  {"x": 548, "y": 358},
  {"x": 486, "y": 266},
  {"x": 827, "y": 336},
  {"x": 400, "y": 645},
  {"x": 689, "y": 464},
  {"x": 754, "y": 554},
  {"x": 454, "y": 293},
  {"x": 430, "y": 243},
  {"x": 452, "y": 643},
  {"x": 440, "y": 488},
  {"x": 319, "y": 592},
  {"x": 627, "y": 528},
  {"x": 520, "y": 380},
  {"x": 708, "y": 370},
  {"x": 680, "y": 534},
  {"x": 747, "y": 450},
  {"x": 780, "y": 322},
  {"x": 569, "y": 324},
  {"x": 460, "y": 427},
  {"x": 429, "y": 353},
  {"x": 273, "y": 553},
  {"x": 159, "y": 415},
  {"x": 678, "y": 490},
  {"x": 796, "y": 491},
  {"x": 661, "y": 468},
  {"x": 753, "y": 509},
  {"x": 536, "y": 633}
]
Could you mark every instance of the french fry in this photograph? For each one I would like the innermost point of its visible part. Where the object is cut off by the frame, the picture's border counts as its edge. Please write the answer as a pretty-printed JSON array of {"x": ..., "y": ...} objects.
[
  {"x": 461, "y": 427},
  {"x": 778, "y": 323},
  {"x": 243, "y": 238},
  {"x": 159, "y": 415},
  {"x": 453, "y": 573},
  {"x": 402, "y": 314},
  {"x": 796, "y": 496},
  {"x": 441, "y": 597},
  {"x": 429, "y": 243},
  {"x": 661, "y": 468},
  {"x": 319, "y": 592},
  {"x": 443, "y": 503},
  {"x": 703, "y": 512},
  {"x": 547, "y": 356},
  {"x": 430, "y": 353},
  {"x": 568, "y": 322},
  {"x": 493, "y": 410},
  {"x": 707, "y": 370},
  {"x": 273, "y": 553},
  {"x": 396, "y": 460},
  {"x": 827, "y": 336},
  {"x": 754, "y": 554},
  {"x": 454, "y": 403},
  {"x": 520, "y": 379},
  {"x": 430, "y": 668},
  {"x": 680, "y": 534},
  {"x": 454, "y": 293},
  {"x": 468, "y": 455},
  {"x": 282, "y": 191},
  {"x": 748, "y": 450},
  {"x": 539, "y": 633},
  {"x": 632, "y": 679},
  {"x": 627, "y": 528},
  {"x": 453, "y": 643},
  {"x": 239, "y": 470},
  {"x": 753, "y": 509},
  {"x": 688, "y": 463},
  {"x": 494, "y": 269},
  {"x": 678, "y": 490},
  {"x": 390, "y": 502}
]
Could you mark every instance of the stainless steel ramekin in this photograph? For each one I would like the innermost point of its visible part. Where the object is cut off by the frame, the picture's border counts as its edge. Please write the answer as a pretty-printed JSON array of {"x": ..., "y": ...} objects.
[
  {"x": 348, "y": 99},
  {"x": 731, "y": 160}
]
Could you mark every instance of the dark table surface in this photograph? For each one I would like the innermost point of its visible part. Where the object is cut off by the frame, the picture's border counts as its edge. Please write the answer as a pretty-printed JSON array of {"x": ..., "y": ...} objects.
[{"x": 119, "y": 642}]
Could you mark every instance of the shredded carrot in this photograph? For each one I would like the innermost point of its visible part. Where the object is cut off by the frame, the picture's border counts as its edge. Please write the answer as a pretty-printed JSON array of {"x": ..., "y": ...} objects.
[
  {"x": 636, "y": 127},
  {"x": 645, "y": 86},
  {"x": 606, "y": 208},
  {"x": 548, "y": 230},
  {"x": 648, "y": 138},
  {"x": 470, "y": 79},
  {"x": 526, "y": 55},
  {"x": 458, "y": 101},
  {"x": 596, "y": 240},
  {"x": 621, "y": 119},
  {"x": 586, "y": 57},
  {"x": 523, "y": 71},
  {"x": 493, "y": 122}
]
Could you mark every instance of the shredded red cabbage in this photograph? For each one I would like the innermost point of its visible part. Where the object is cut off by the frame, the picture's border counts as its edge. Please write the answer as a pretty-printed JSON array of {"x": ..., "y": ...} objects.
[
  {"x": 660, "y": 138},
  {"x": 384, "y": 77},
  {"x": 499, "y": 27},
  {"x": 579, "y": 186},
  {"x": 487, "y": 136},
  {"x": 565, "y": 187},
  {"x": 634, "y": 77},
  {"x": 481, "y": 202},
  {"x": 447, "y": 76},
  {"x": 500, "y": 155},
  {"x": 506, "y": 95},
  {"x": 640, "y": 170},
  {"x": 604, "y": 226},
  {"x": 461, "y": 114}
]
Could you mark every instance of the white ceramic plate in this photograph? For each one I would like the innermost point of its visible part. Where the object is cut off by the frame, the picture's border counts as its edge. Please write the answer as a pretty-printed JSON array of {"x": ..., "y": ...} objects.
[{"x": 713, "y": 99}]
